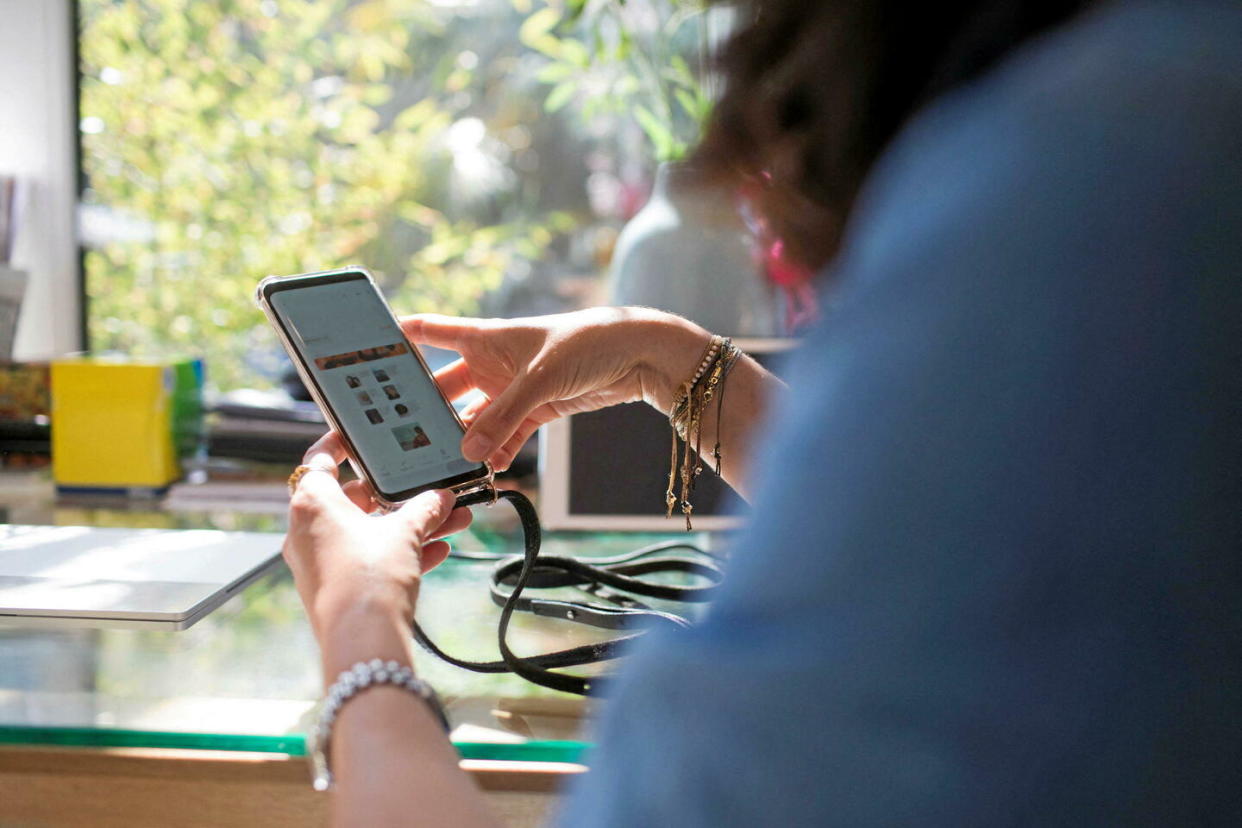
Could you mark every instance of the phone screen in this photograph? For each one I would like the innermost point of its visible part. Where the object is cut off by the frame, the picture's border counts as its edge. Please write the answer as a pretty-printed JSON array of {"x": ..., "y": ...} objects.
[{"x": 389, "y": 407}]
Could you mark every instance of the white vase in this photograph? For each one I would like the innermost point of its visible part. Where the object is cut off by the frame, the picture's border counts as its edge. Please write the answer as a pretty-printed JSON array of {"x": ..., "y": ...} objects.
[{"x": 689, "y": 251}]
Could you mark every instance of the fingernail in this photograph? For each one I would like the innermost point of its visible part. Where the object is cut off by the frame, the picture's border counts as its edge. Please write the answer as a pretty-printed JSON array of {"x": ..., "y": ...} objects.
[
  {"x": 320, "y": 460},
  {"x": 476, "y": 447}
]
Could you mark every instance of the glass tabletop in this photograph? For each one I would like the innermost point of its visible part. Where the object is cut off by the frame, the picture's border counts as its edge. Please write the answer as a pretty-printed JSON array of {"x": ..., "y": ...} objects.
[{"x": 246, "y": 677}]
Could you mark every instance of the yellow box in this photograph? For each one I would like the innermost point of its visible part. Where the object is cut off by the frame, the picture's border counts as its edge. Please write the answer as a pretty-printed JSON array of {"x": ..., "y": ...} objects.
[{"x": 112, "y": 424}]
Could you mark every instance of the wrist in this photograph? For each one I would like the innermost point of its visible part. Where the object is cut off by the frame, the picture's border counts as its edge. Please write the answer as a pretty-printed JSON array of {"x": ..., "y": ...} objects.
[
  {"x": 670, "y": 348},
  {"x": 361, "y": 632}
]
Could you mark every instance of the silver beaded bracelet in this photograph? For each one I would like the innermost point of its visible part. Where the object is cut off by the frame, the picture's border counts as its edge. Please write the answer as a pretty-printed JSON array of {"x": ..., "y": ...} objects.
[{"x": 350, "y": 683}]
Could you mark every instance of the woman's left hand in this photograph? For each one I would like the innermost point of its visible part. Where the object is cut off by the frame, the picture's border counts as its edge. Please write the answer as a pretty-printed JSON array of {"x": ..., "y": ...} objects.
[{"x": 358, "y": 574}]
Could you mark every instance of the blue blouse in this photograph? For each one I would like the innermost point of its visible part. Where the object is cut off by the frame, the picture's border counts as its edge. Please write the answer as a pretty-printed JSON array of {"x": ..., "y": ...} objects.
[{"x": 994, "y": 570}]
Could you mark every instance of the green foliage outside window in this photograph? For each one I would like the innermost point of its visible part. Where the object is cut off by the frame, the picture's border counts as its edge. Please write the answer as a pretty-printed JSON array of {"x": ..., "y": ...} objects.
[
  {"x": 444, "y": 144},
  {"x": 234, "y": 139},
  {"x": 629, "y": 59}
]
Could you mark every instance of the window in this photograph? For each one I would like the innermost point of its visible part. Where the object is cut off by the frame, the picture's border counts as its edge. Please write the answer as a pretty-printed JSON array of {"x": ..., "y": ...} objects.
[{"x": 477, "y": 155}]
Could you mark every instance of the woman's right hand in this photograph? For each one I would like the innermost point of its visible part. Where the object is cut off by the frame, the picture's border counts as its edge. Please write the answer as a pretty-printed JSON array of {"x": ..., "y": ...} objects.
[{"x": 532, "y": 371}]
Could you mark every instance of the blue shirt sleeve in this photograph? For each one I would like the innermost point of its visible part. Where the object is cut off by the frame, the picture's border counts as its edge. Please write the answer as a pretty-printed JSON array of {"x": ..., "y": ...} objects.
[{"x": 994, "y": 571}]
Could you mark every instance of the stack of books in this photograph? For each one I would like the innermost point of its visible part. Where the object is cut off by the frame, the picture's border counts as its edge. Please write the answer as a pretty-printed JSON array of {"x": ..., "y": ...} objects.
[
  {"x": 268, "y": 427},
  {"x": 25, "y": 406}
]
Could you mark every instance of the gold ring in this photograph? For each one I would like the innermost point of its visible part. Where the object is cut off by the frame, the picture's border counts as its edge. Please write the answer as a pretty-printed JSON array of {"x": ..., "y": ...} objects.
[{"x": 298, "y": 474}]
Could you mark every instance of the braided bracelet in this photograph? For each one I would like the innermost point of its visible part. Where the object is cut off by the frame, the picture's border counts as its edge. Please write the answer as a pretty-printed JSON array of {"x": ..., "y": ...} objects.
[{"x": 350, "y": 683}]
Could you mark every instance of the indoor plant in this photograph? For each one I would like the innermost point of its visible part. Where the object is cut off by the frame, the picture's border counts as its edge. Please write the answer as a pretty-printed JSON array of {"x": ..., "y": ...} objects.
[{"x": 645, "y": 63}]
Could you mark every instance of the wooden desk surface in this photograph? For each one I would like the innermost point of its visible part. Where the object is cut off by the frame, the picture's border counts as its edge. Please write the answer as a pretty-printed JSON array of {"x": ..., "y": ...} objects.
[{"x": 146, "y": 787}]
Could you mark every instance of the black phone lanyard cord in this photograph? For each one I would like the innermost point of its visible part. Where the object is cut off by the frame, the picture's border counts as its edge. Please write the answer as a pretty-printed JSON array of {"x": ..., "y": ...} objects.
[{"x": 562, "y": 571}]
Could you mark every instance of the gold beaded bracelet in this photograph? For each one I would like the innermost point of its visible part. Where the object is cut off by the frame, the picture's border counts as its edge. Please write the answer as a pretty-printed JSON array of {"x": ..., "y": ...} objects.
[{"x": 686, "y": 419}]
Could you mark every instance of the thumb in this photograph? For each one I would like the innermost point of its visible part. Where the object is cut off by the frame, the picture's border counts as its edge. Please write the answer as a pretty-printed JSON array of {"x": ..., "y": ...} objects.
[
  {"x": 498, "y": 421},
  {"x": 423, "y": 514}
]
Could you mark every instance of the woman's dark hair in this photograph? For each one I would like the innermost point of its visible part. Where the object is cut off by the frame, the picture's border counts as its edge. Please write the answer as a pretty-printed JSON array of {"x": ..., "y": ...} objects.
[{"x": 815, "y": 89}]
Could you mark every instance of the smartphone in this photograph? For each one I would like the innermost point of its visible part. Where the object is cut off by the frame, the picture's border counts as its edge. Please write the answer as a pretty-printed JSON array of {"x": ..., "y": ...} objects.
[{"x": 402, "y": 434}]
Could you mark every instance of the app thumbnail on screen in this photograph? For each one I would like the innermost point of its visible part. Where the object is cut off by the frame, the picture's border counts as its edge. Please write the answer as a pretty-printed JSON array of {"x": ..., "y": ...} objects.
[
  {"x": 411, "y": 436},
  {"x": 327, "y": 363}
]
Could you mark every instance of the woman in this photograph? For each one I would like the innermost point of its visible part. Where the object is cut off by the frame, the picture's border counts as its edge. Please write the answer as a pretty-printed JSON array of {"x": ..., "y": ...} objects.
[{"x": 993, "y": 569}]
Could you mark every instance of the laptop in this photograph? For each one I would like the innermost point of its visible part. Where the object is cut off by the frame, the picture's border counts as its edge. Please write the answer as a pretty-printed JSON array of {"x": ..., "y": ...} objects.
[
  {"x": 607, "y": 470},
  {"x": 80, "y": 576}
]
